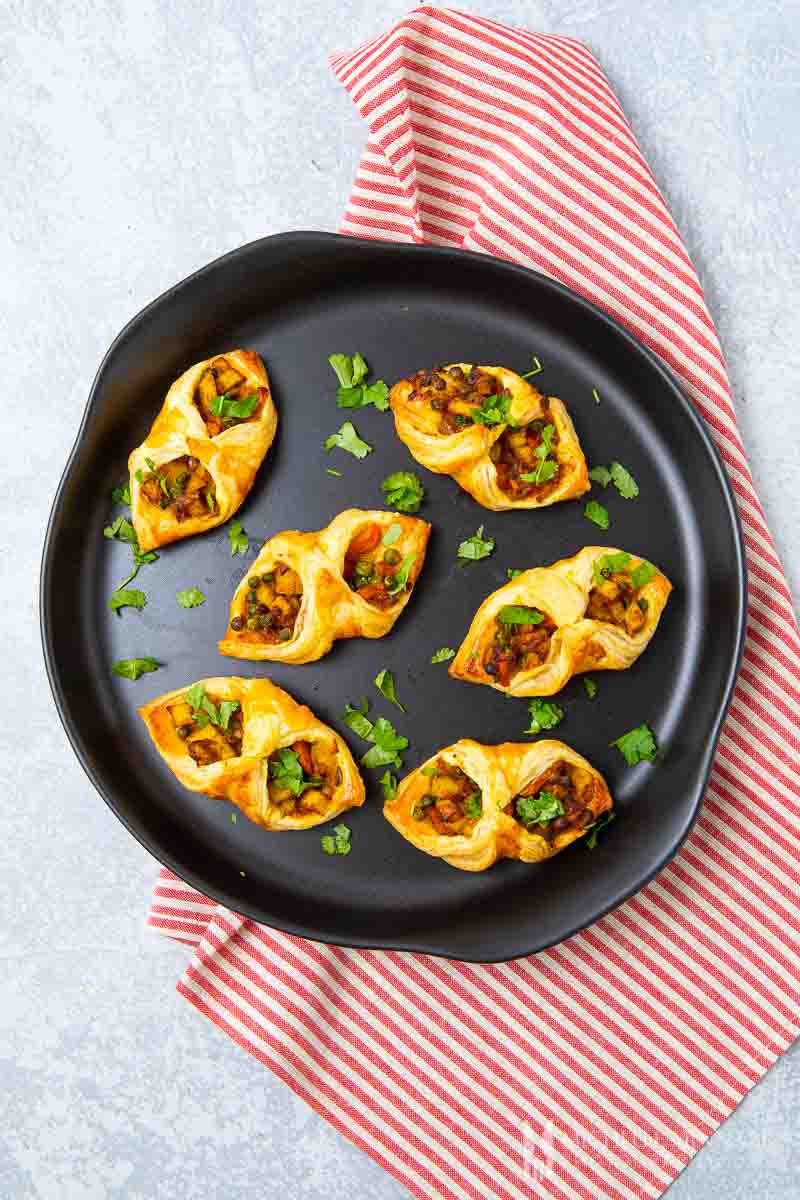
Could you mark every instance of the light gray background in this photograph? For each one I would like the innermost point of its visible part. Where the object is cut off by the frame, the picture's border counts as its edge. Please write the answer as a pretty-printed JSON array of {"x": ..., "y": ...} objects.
[{"x": 140, "y": 139}]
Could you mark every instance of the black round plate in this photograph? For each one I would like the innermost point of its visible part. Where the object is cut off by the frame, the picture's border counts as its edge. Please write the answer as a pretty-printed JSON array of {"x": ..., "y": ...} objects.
[{"x": 296, "y": 298}]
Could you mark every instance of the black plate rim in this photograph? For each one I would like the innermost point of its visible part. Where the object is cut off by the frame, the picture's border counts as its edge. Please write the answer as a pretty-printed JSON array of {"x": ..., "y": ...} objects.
[{"x": 444, "y": 253}]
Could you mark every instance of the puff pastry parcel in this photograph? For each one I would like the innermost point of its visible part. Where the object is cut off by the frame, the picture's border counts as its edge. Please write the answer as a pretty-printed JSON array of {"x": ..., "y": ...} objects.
[
  {"x": 198, "y": 462},
  {"x": 306, "y": 590},
  {"x": 472, "y": 804},
  {"x": 247, "y": 741},
  {"x": 500, "y": 439},
  {"x": 596, "y": 611}
]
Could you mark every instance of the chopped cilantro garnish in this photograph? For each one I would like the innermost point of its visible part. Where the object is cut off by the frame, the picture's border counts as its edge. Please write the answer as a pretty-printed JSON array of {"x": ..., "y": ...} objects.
[
  {"x": 190, "y": 597},
  {"x": 513, "y": 572},
  {"x": 286, "y": 772},
  {"x": 384, "y": 682},
  {"x": 600, "y": 823},
  {"x": 134, "y": 668},
  {"x": 637, "y": 745},
  {"x": 595, "y": 395},
  {"x": 333, "y": 471},
  {"x": 544, "y": 714},
  {"x": 350, "y": 370},
  {"x": 623, "y": 481},
  {"x": 538, "y": 809},
  {"x": 476, "y": 547},
  {"x": 387, "y": 744},
  {"x": 356, "y": 718},
  {"x": 590, "y": 687},
  {"x": 353, "y": 390},
  {"x": 595, "y": 512},
  {"x": 443, "y": 655},
  {"x": 600, "y": 475},
  {"x": 473, "y": 805},
  {"x": 239, "y": 541},
  {"x": 347, "y": 439},
  {"x": 537, "y": 367},
  {"x": 227, "y": 408},
  {"x": 519, "y": 614},
  {"x": 642, "y": 573},
  {"x": 126, "y": 598},
  {"x": 339, "y": 843},
  {"x": 388, "y": 783},
  {"x": 403, "y": 491},
  {"x": 547, "y": 466},
  {"x": 121, "y": 530},
  {"x": 122, "y": 494},
  {"x": 395, "y": 582},
  {"x": 205, "y": 711},
  {"x": 494, "y": 410},
  {"x": 610, "y": 564}
]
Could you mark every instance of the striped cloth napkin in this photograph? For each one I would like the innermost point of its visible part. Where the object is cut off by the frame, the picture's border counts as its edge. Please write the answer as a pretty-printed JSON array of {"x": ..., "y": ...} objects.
[{"x": 598, "y": 1068}]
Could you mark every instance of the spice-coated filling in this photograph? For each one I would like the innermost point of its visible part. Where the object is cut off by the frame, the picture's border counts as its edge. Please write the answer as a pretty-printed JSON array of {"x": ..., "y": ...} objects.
[
  {"x": 270, "y": 607},
  {"x": 524, "y": 459},
  {"x": 182, "y": 486},
  {"x": 452, "y": 802},
  {"x": 617, "y": 602},
  {"x": 206, "y": 741},
  {"x": 376, "y": 567},
  {"x": 517, "y": 646},
  {"x": 225, "y": 398},
  {"x": 558, "y": 800},
  {"x": 303, "y": 777},
  {"x": 454, "y": 394}
]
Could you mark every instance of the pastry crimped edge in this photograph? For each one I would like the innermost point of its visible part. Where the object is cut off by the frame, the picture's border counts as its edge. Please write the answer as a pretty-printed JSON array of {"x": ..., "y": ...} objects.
[
  {"x": 501, "y": 772},
  {"x": 232, "y": 458},
  {"x": 562, "y": 591},
  {"x": 329, "y": 609},
  {"x": 465, "y": 455},
  {"x": 272, "y": 719}
]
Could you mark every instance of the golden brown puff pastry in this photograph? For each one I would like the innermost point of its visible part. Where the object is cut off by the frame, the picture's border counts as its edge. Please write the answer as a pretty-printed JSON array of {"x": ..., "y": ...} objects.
[
  {"x": 198, "y": 462},
  {"x": 472, "y": 804},
  {"x": 593, "y": 612},
  {"x": 306, "y": 590},
  {"x": 248, "y": 741},
  {"x": 527, "y": 460}
]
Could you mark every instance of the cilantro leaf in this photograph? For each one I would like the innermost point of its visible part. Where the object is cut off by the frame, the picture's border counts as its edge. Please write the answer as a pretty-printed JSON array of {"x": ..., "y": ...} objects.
[
  {"x": 286, "y": 772},
  {"x": 359, "y": 367},
  {"x": 609, "y": 564},
  {"x": 121, "y": 530},
  {"x": 547, "y": 467},
  {"x": 227, "y": 407},
  {"x": 387, "y": 744},
  {"x": 443, "y": 655},
  {"x": 353, "y": 390},
  {"x": 494, "y": 410},
  {"x": 623, "y": 481},
  {"x": 403, "y": 491},
  {"x": 594, "y": 829},
  {"x": 356, "y": 718},
  {"x": 384, "y": 682},
  {"x": 333, "y": 471},
  {"x": 513, "y": 572},
  {"x": 637, "y": 745},
  {"x": 642, "y": 574},
  {"x": 392, "y": 534},
  {"x": 376, "y": 393},
  {"x": 538, "y": 809},
  {"x": 476, "y": 547},
  {"x": 339, "y": 842},
  {"x": 226, "y": 710},
  {"x": 122, "y": 494},
  {"x": 343, "y": 366},
  {"x": 395, "y": 582},
  {"x": 590, "y": 687},
  {"x": 537, "y": 367},
  {"x": 134, "y": 668},
  {"x": 347, "y": 439},
  {"x": 473, "y": 805},
  {"x": 519, "y": 614},
  {"x": 239, "y": 541},
  {"x": 600, "y": 475},
  {"x": 544, "y": 714},
  {"x": 595, "y": 512},
  {"x": 190, "y": 597},
  {"x": 595, "y": 395},
  {"x": 388, "y": 783},
  {"x": 126, "y": 598}
]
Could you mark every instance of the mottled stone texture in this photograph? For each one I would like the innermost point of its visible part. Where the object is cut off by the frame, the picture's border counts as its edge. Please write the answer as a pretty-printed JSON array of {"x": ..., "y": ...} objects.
[{"x": 140, "y": 139}]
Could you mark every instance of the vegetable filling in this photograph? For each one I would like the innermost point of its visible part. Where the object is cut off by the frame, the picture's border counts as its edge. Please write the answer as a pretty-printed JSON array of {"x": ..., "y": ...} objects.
[
  {"x": 225, "y": 398},
  {"x": 617, "y": 601},
  {"x": 521, "y": 641},
  {"x": 270, "y": 606},
  {"x": 461, "y": 397},
  {"x": 453, "y": 802},
  {"x": 557, "y": 801},
  {"x": 525, "y": 461},
  {"x": 212, "y": 729},
  {"x": 183, "y": 486},
  {"x": 303, "y": 777},
  {"x": 376, "y": 568}
]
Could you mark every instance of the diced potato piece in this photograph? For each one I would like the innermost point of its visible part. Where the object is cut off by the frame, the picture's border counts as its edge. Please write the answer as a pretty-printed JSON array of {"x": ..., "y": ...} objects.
[
  {"x": 314, "y": 800},
  {"x": 324, "y": 756},
  {"x": 288, "y": 584},
  {"x": 303, "y": 752},
  {"x": 445, "y": 785},
  {"x": 634, "y": 618},
  {"x": 227, "y": 378},
  {"x": 206, "y": 391},
  {"x": 181, "y": 713}
]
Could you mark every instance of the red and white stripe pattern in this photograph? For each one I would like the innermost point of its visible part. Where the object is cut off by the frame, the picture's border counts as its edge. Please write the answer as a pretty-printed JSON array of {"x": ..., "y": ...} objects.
[{"x": 596, "y": 1069}]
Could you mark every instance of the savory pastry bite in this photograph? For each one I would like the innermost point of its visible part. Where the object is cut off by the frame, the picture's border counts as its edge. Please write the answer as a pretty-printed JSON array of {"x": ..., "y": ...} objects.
[
  {"x": 500, "y": 439},
  {"x": 248, "y": 741},
  {"x": 306, "y": 590},
  {"x": 472, "y": 804},
  {"x": 198, "y": 462},
  {"x": 596, "y": 611}
]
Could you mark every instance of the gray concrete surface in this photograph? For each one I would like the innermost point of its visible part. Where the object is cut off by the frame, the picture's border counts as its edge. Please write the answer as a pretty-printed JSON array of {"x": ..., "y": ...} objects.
[{"x": 140, "y": 139}]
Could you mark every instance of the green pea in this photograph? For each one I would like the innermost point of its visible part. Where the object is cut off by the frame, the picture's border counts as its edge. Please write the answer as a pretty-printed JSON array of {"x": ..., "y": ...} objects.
[
  {"x": 392, "y": 557},
  {"x": 253, "y": 582},
  {"x": 253, "y": 622},
  {"x": 252, "y": 597},
  {"x": 268, "y": 577},
  {"x": 284, "y": 634}
]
